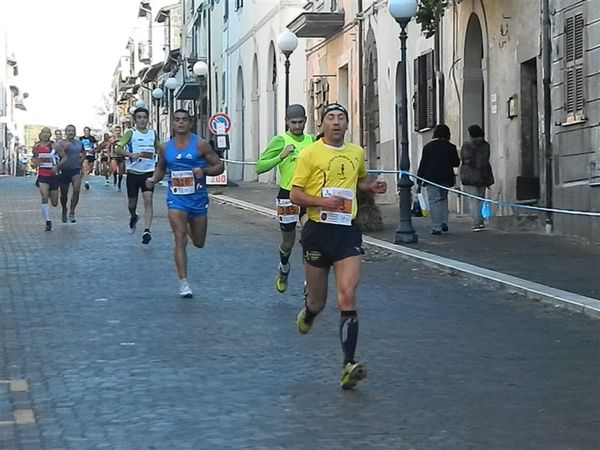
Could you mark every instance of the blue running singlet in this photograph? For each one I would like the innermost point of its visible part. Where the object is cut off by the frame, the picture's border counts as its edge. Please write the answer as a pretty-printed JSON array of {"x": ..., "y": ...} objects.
[{"x": 186, "y": 192}]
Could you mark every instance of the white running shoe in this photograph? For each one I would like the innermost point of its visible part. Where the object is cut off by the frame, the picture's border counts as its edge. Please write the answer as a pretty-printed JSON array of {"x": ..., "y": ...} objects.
[{"x": 184, "y": 290}]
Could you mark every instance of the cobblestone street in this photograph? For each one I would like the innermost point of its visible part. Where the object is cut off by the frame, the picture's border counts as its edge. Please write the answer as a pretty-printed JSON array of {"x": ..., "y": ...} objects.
[{"x": 112, "y": 358}]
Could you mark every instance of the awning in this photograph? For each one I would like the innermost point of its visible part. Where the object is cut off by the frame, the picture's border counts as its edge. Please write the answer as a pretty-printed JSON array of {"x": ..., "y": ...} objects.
[
  {"x": 149, "y": 73},
  {"x": 191, "y": 89},
  {"x": 317, "y": 25}
]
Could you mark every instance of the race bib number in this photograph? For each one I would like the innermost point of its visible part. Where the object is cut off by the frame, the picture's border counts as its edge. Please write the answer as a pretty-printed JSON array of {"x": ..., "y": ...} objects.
[
  {"x": 287, "y": 212},
  {"x": 342, "y": 215},
  {"x": 46, "y": 160},
  {"x": 182, "y": 182}
]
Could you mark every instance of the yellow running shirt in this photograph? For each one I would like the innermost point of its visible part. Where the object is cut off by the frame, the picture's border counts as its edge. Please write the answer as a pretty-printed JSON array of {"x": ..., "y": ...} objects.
[{"x": 322, "y": 170}]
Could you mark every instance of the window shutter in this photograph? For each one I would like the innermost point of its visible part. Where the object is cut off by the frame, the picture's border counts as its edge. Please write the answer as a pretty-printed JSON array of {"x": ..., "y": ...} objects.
[
  {"x": 574, "y": 73},
  {"x": 416, "y": 95},
  {"x": 430, "y": 90}
]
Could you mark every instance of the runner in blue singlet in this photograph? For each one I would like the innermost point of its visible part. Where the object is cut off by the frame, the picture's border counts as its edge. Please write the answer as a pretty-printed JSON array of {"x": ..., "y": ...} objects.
[{"x": 189, "y": 160}]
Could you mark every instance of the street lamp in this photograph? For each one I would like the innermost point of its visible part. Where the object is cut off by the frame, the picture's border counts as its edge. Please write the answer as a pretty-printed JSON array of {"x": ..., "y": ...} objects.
[
  {"x": 287, "y": 43},
  {"x": 402, "y": 11},
  {"x": 200, "y": 68},
  {"x": 139, "y": 103},
  {"x": 170, "y": 84},
  {"x": 157, "y": 95}
]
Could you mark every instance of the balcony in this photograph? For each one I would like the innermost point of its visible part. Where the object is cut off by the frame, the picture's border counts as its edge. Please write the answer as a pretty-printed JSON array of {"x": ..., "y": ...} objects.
[
  {"x": 317, "y": 24},
  {"x": 145, "y": 52}
]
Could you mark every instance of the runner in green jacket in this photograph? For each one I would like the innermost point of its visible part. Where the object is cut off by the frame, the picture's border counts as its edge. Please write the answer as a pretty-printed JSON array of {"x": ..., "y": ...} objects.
[{"x": 282, "y": 152}]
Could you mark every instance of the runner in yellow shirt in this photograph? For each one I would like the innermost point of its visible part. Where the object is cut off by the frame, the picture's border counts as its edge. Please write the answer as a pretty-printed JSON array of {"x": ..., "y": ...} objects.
[{"x": 328, "y": 174}]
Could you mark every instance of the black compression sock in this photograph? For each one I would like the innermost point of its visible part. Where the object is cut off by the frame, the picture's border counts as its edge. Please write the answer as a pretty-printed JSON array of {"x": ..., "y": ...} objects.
[
  {"x": 114, "y": 178},
  {"x": 284, "y": 257},
  {"x": 348, "y": 334}
]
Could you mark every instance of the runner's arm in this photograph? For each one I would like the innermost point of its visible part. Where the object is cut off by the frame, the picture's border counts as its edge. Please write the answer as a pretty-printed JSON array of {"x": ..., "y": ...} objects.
[
  {"x": 215, "y": 165},
  {"x": 369, "y": 185},
  {"x": 270, "y": 157},
  {"x": 63, "y": 156},
  {"x": 120, "y": 149},
  {"x": 159, "y": 170},
  {"x": 34, "y": 153}
]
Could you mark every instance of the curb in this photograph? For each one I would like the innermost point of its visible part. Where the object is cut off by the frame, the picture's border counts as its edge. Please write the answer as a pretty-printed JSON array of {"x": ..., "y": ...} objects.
[{"x": 536, "y": 291}]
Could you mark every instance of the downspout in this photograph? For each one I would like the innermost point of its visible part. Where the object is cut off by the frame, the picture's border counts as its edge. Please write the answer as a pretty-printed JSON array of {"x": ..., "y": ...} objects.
[
  {"x": 363, "y": 119},
  {"x": 439, "y": 74},
  {"x": 209, "y": 62},
  {"x": 547, "y": 67}
]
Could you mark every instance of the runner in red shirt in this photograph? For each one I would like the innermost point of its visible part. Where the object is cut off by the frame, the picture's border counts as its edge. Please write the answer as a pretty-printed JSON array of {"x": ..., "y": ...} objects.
[{"x": 45, "y": 158}]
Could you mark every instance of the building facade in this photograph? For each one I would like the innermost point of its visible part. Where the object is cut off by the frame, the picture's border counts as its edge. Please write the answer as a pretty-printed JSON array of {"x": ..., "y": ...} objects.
[{"x": 12, "y": 103}]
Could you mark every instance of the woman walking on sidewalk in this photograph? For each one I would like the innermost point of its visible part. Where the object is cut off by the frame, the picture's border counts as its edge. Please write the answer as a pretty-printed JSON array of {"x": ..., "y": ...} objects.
[
  {"x": 437, "y": 162},
  {"x": 476, "y": 172}
]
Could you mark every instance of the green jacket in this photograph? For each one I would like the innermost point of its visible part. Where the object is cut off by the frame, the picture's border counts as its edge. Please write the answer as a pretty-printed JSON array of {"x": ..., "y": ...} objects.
[{"x": 270, "y": 157}]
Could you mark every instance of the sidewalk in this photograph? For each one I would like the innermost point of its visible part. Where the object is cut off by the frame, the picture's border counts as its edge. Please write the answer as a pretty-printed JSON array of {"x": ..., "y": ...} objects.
[{"x": 549, "y": 260}]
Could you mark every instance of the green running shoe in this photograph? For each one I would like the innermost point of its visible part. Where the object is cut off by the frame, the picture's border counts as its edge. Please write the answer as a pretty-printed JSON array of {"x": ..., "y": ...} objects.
[
  {"x": 352, "y": 374},
  {"x": 281, "y": 283},
  {"x": 303, "y": 324}
]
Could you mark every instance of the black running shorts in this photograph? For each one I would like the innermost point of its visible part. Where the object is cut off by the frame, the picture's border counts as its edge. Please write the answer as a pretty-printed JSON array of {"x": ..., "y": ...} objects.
[
  {"x": 66, "y": 175},
  {"x": 137, "y": 182},
  {"x": 324, "y": 243},
  {"x": 53, "y": 182}
]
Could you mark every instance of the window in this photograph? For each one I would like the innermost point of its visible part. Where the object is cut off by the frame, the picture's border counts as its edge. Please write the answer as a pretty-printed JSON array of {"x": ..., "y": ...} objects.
[
  {"x": 239, "y": 4},
  {"x": 424, "y": 92},
  {"x": 574, "y": 75}
]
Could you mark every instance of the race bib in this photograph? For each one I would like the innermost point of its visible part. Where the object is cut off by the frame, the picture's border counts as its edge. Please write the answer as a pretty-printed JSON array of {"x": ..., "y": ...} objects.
[
  {"x": 182, "y": 182},
  {"x": 46, "y": 160},
  {"x": 342, "y": 215},
  {"x": 287, "y": 212}
]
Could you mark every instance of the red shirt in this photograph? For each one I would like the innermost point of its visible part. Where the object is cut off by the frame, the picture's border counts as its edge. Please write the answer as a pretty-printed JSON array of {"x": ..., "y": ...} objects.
[{"x": 47, "y": 158}]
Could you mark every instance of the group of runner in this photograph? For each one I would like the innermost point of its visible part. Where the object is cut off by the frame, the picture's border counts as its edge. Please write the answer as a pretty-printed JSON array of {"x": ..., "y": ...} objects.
[
  {"x": 66, "y": 161},
  {"x": 63, "y": 162},
  {"x": 319, "y": 181}
]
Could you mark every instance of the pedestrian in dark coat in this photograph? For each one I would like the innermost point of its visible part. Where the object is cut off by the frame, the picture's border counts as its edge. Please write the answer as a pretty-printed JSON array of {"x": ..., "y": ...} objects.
[
  {"x": 439, "y": 158},
  {"x": 476, "y": 172}
]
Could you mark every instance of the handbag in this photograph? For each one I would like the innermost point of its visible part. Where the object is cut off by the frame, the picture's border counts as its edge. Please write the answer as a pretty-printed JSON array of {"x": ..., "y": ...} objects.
[{"x": 416, "y": 208}]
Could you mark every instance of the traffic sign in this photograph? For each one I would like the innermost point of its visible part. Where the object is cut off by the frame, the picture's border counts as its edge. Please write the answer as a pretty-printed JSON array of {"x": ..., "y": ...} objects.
[{"x": 219, "y": 123}]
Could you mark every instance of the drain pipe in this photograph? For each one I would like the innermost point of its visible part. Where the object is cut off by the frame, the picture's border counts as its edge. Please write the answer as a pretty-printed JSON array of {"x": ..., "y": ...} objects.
[
  {"x": 547, "y": 67},
  {"x": 363, "y": 119}
]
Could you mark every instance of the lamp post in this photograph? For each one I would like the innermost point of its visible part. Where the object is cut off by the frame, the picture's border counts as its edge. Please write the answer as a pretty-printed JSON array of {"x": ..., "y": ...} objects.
[
  {"x": 200, "y": 69},
  {"x": 287, "y": 43},
  {"x": 157, "y": 95},
  {"x": 402, "y": 11},
  {"x": 170, "y": 84}
]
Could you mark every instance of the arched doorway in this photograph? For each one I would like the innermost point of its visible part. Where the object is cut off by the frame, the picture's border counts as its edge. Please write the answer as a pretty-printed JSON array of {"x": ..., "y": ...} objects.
[
  {"x": 254, "y": 98},
  {"x": 241, "y": 126},
  {"x": 372, "y": 103},
  {"x": 473, "y": 86}
]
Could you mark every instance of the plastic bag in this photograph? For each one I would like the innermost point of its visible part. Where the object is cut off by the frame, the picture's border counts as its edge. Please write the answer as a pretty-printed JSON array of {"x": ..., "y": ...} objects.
[
  {"x": 486, "y": 210},
  {"x": 423, "y": 204}
]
